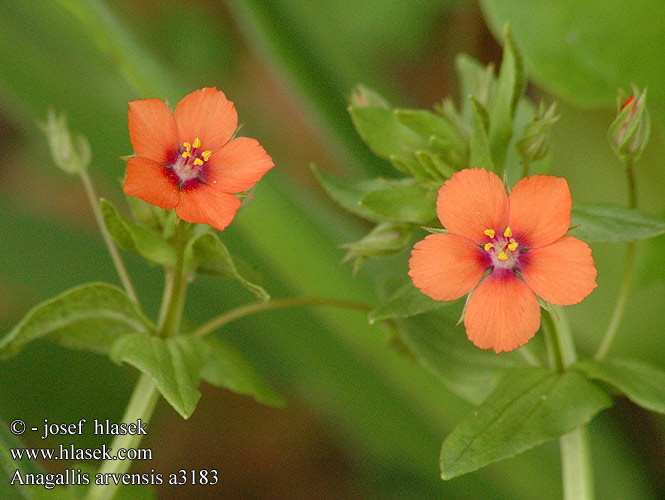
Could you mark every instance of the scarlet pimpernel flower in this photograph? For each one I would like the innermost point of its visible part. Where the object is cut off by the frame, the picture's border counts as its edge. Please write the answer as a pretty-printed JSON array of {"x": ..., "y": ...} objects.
[
  {"x": 507, "y": 250},
  {"x": 189, "y": 161}
]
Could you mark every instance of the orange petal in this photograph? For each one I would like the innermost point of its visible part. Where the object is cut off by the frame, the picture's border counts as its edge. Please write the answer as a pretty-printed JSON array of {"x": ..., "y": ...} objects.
[
  {"x": 208, "y": 115},
  {"x": 562, "y": 273},
  {"x": 151, "y": 182},
  {"x": 446, "y": 266},
  {"x": 238, "y": 165},
  {"x": 470, "y": 202},
  {"x": 540, "y": 210},
  {"x": 207, "y": 205},
  {"x": 152, "y": 130},
  {"x": 502, "y": 313}
]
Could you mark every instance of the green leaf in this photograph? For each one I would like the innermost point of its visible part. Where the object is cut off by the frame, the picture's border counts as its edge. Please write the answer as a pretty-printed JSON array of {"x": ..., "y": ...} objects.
[
  {"x": 405, "y": 302},
  {"x": 607, "y": 223},
  {"x": 136, "y": 238},
  {"x": 480, "y": 154},
  {"x": 89, "y": 316},
  {"x": 528, "y": 407},
  {"x": 9, "y": 466},
  {"x": 385, "y": 239},
  {"x": 476, "y": 80},
  {"x": 443, "y": 348},
  {"x": 348, "y": 192},
  {"x": 585, "y": 62},
  {"x": 174, "y": 364},
  {"x": 509, "y": 90},
  {"x": 227, "y": 367},
  {"x": 206, "y": 254},
  {"x": 403, "y": 203},
  {"x": 643, "y": 384}
]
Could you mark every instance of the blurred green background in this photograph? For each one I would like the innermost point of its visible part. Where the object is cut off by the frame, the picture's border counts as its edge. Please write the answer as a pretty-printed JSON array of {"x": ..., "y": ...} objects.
[{"x": 363, "y": 421}]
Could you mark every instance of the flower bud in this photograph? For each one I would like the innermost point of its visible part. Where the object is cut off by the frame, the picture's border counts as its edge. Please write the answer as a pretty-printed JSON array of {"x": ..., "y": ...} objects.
[
  {"x": 364, "y": 97},
  {"x": 629, "y": 132},
  {"x": 70, "y": 153},
  {"x": 535, "y": 143}
]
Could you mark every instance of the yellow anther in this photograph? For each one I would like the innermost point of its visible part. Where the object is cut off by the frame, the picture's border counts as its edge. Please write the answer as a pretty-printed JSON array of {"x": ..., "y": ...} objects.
[
  {"x": 187, "y": 154},
  {"x": 488, "y": 246},
  {"x": 187, "y": 145},
  {"x": 502, "y": 256},
  {"x": 512, "y": 245},
  {"x": 489, "y": 232},
  {"x": 508, "y": 233},
  {"x": 198, "y": 161},
  {"x": 206, "y": 155},
  {"x": 197, "y": 143}
]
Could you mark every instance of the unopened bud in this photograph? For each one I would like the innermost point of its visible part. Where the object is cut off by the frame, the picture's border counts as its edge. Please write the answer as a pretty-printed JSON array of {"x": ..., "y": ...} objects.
[
  {"x": 535, "y": 143},
  {"x": 363, "y": 97},
  {"x": 70, "y": 153},
  {"x": 629, "y": 132}
]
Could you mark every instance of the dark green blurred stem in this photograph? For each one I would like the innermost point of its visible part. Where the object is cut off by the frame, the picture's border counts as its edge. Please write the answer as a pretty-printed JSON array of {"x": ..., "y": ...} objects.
[
  {"x": 249, "y": 309},
  {"x": 577, "y": 473},
  {"x": 175, "y": 287},
  {"x": 113, "y": 250},
  {"x": 140, "y": 406},
  {"x": 626, "y": 277}
]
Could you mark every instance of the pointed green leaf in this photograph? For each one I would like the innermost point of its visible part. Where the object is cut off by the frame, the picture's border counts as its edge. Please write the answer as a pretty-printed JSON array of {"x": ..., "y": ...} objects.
[
  {"x": 476, "y": 80},
  {"x": 87, "y": 317},
  {"x": 227, "y": 367},
  {"x": 385, "y": 239},
  {"x": 136, "y": 238},
  {"x": 174, "y": 364},
  {"x": 527, "y": 408},
  {"x": 9, "y": 466},
  {"x": 403, "y": 203},
  {"x": 480, "y": 154},
  {"x": 607, "y": 223},
  {"x": 443, "y": 348},
  {"x": 405, "y": 302},
  {"x": 364, "y": 97},
  {"x": 348, "y": 192},
  {"x": 206, "y": 254},
  {"x": 509, "y": 90},
  {"x": 643, "y": 384}
]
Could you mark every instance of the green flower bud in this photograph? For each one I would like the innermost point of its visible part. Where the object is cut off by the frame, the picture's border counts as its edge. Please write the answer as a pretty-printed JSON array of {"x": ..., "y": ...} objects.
[
  {"x": 629, "y": 132},
  {"x": 70, "y": 153},
  {"x": 535, "y": 143}
]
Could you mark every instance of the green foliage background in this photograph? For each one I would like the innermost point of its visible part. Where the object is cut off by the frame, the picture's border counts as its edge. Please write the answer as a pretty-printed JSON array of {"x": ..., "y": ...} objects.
[{"x": 363, "y": 420}]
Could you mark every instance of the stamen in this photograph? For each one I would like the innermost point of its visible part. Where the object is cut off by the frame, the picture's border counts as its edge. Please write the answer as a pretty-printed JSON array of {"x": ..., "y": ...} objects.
[
  {"x": 187, "y": 145},
  {"x": 197, "y": 143},
  {"x": 206, "y": 155},
  {"x": 512, "y": 245},
  {"x": 187, "y": 154},
  {"x": 198, "y": 162},
  {"x": 502, "y": 256},
  {"x": 508, "y": 233},
  {"x": 488, "y": 246},
  {"x": 489, "y": 232}
]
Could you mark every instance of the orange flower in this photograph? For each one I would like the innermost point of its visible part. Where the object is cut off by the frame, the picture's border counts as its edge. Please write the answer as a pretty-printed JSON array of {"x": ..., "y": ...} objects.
[
  {"x": 187, "y": 160},
  {"x": 517, "y": 242}
]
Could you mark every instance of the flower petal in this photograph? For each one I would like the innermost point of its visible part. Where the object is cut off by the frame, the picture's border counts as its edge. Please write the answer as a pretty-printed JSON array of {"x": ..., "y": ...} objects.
[
  {"x": 540, "y": 210},
  {"x": 446, "y": 266},
  {"x": 207, "y": 205},
  {"x": 471, "y": 201},
  {"x": 151, "y": 182},
  {"x": 502, "y": 313},
  {"x": 152, "y": 130},
  {"x": 562, "y": 273},
  {"x": 208, "y": 115},
  {"x": 238, "y": 165}
]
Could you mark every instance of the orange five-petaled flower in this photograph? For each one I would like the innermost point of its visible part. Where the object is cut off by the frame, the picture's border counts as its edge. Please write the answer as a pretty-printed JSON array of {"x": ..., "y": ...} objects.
[
  {"x": 187, "y": 160},
  {"x": 517, "y": 242}
]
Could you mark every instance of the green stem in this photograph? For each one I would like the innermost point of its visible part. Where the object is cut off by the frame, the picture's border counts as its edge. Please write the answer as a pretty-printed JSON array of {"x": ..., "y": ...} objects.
[
  {"x": 249, "y": 309},
  {"x": 108, "y": 240},
  {"x": 140, "y": 406},
  {"x": 577, "y": 473},
  {"x": 175, "y": 288},
  {"x": 626, "y": 277}
]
